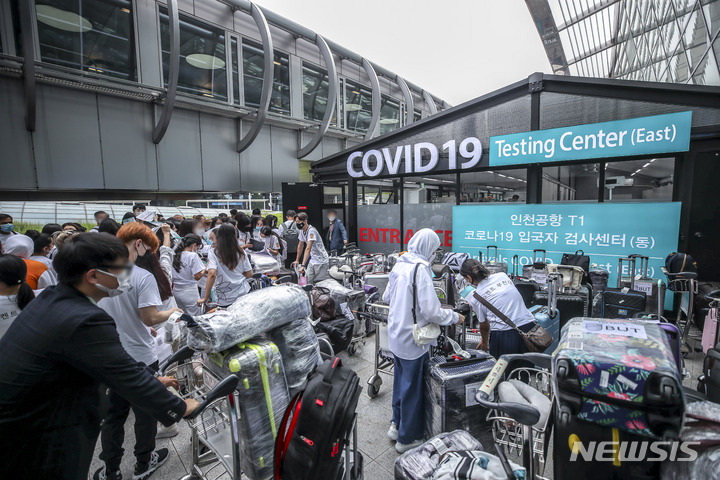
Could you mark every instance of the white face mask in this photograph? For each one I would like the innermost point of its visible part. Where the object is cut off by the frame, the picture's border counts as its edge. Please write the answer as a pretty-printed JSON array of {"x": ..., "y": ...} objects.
[
  {"x": 123, "y": 283},
  {"x": 331, "y": 219},
  {"x": 199, "y": 232}
]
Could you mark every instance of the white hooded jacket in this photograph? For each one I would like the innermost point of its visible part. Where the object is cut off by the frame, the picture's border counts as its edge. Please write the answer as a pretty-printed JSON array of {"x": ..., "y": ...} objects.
[{"x": 399, "y": 295}]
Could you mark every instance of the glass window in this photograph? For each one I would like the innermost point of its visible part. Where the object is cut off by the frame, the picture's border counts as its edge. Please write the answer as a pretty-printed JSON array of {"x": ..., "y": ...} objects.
[
  {"x": 571, "y": 183},
  {"x": 253, "y": 71},
  {"x": 493, "y": 186},
  {"x": 640, "y": 180},
  {"x": 315, "y": 93},
  {"x": 435, "y": 189},
  {"x": 358, "y": 106},
  {"x": 90, "y": 35},
  {"x": 378, "y": 216},
  {"x": 389, "y": 114},
  {"x": 202, "y": 57},
  {"x": 235, "y": 71}
]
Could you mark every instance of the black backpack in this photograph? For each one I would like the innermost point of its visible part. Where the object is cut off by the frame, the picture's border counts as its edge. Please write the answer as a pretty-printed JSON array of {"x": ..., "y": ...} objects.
[
  {"x": 680, "y": 262},
  {"x": 290, "y": 235},
  {"x": 320, "y": 418}
]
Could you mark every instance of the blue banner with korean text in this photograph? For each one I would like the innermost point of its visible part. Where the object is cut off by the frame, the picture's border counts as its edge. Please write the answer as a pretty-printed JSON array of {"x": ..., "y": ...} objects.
[{"x": 603, "y": 231}]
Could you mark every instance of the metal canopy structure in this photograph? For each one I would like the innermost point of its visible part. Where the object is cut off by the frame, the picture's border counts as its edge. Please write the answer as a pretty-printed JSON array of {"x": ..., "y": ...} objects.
[{"x": 674, "y": 41}]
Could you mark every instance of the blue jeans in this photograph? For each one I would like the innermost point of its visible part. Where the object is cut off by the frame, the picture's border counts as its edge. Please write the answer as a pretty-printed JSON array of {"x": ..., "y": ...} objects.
[{"x": 409, "y": 399}]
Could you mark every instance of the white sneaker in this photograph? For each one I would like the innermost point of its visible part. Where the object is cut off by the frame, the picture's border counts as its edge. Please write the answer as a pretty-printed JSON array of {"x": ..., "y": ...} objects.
[
  {"x": 167, "y": 432},
  {"x": 392, "y": 433},
  {"x": 402, "y": 448}
]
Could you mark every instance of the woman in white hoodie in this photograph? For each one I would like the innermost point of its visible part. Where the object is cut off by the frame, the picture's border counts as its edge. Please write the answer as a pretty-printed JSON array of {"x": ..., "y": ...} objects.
[{"x": 412, "y": 268}]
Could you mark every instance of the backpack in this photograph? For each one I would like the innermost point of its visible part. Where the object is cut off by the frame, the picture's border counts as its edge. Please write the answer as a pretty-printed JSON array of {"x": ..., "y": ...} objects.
[
  {"x": 290, "y": 236},
  {"x": 323, "y": 305},
  {"x": 680, "y": 262},
  {"x": 320, "y": 419},
  {"x": 284, "y": 249}
]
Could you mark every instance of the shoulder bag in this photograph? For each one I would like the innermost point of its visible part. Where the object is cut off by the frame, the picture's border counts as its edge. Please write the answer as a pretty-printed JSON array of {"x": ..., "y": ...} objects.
[
  {"x": 430, "y": 332},
  {"x": 536, "y": 340}
]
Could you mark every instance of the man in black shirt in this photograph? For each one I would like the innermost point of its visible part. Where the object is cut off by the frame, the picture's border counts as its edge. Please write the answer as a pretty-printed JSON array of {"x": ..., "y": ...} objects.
[{"x": 54, "y": 358}]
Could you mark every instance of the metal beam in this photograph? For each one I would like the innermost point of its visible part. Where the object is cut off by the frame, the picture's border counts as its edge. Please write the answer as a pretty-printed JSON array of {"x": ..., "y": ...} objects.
[
  {"x": 375, "y": 85},
  {"x": 409, "y": 100},
  {"x": 268, "y": 77},
  {"x": 430, "y": 102},
  {"x": 586, "y": 14},
  {"x": 28, "y": 64},
  {"x": 331, "y": 101},
  {"x": 173, "y": 72},
  {"x": 300, "y": 31}
]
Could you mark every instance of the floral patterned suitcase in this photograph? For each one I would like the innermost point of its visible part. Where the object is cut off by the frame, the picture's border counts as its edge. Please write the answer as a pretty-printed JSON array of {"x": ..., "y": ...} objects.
[{"x": 618, "y": 374}]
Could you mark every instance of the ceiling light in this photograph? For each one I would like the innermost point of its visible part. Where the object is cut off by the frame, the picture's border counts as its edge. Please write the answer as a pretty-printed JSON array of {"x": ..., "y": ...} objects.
[
  {"x": 93, "y": 69},
  {"x": 388, "y": 121},
  {"x": 276, "y": 62},
  {"x": 651, "y": 161},
  {"x": 501, "y": 175},
  {"x": 206, "y": 62},
  {"x": 633, "y": 174},
  {"x": 646, "y": 165},
  {"x": 353, "y": 107},
  {"x": 62, "y": 19},
  {"x": 125, "y": 10},
  {"x": 356, "y": 92}
]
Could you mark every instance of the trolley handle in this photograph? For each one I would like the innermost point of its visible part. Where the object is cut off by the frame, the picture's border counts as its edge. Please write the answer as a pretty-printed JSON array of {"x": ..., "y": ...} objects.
[
  {"x": 284, "y": 279},
  {"x": 371, "y": 316},
  {"x": 185, "y": 353},
  {"x": 223, "y": 389}
]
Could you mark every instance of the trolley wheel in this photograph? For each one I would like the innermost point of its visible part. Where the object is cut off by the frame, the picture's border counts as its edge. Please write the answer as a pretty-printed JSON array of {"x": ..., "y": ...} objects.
[
  {"x": 352, "y": 349},
  {"x": 374, "y": 384}
]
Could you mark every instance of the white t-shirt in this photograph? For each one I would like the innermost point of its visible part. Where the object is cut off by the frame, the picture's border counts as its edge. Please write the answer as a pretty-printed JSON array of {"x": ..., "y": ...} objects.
[
  {"x": 9, "y": 311},
  {"x": 318, "y": 254},
  {"x": 190, "y": 265},
  {"x": 274, "y": 243},
  {"x": 125, "y": 310},
  {"x": 500, "y": 291},
  {"x": 5, "y": 236},
  {"x": 43, "y": 259},
  {"x": 229, "y": 284}
]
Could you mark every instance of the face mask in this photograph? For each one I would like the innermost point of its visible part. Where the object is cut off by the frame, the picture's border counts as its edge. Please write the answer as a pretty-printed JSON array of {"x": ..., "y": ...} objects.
[
  {"x": 257, "y": 229},
  {"x": 331, "y": 219},
  {"x": 141, "y": 254},
  {"x": 300, "y": 225},
  {"x": 467, "y": 291},
  {"x": 199, "y": 232},
  {"x": 7, "y": 227},
  {"x": 123, "y": 283}
]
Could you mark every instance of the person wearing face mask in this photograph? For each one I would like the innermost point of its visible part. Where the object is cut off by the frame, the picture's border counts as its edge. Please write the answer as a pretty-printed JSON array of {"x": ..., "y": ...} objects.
[
  {"x": 274, "y": 245},
  {"x": 228, "y": 269},
  {"x": 39, "y": 276},
  {"x": 6, "y": 228},
  {"x": 189, "y": 269},
  {"x": 56, "y": 354},
  {"x": 245, "y": 229},
  {"x": 15, "y": 293},
  {"x": 315, "y": 257},
  {"x": 412, "y": 269},
  {"x": 43, "y": 244},
  {"x": 135, "y": 308},
  {"x": 337, "y": 236},
  {"x": 257, "y": 223}
]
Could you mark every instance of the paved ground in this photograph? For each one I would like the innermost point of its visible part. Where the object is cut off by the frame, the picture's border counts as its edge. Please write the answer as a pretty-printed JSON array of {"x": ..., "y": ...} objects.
[{"x": 373, "y": 419}]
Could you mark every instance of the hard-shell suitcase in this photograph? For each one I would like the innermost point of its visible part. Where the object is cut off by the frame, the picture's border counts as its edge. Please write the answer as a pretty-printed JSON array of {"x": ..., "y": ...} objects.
[
  {"x": 623, "y": 302},
  {"x": 653, "y": 288},
  {"x": 420, "y": 463},
  {"x": 378, "y": 280},
  {"x": 569, "y": 305},
  {"x": 537, "y": 270},
  {"x": 262, "y": 400},
  {"x": 548, "y": 316},
  {"x": 443, "y": 283},
  {"x": 492, "y": 264},
  {"x": 672, "y": 333},
  {"x": 618, "y": 374},
  {"x": 525, "y": 286},
  {"x": 450, "y": 388}
]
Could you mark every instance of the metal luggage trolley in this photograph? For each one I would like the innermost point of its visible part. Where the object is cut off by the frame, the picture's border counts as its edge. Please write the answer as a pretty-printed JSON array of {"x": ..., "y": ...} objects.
[
  {"x": 509, "y": 433},
  {"x": 214, "y": 437},
  {"x": 685, "y": 284},
  {"x": 384, "y": 361}
]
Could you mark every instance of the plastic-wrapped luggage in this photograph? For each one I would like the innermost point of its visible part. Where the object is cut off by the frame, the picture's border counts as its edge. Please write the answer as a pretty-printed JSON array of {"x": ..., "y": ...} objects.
[
  {"x": 263, "y": 399},
  {"x": 339, "y": 331},
  {"x": 252, "y": 314},
  {"x": 264, "y": 263},
  {"x": 618, "y": 374},
  {"x": 450, "y": 395},
  {"x": 420, "y": 462},
  {"x": 300, "y": 351},
  {"x": 443, "y": 283},
  {"x": 697, "y": 429},
  {"x": 340, "y": 294},
  {"x": 598, "y": 279}
]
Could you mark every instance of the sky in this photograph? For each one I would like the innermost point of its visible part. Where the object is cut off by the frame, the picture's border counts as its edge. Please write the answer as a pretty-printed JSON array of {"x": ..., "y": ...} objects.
[{"x": 455, "y": 49}]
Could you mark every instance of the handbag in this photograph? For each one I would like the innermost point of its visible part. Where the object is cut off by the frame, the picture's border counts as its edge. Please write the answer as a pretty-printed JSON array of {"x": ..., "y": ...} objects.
[
  {"x": 323, "y": 305},
  {"x": 578, "y": 259},
  {"x": 536, "y": 340},
  {"x": 430, "y": 332}
]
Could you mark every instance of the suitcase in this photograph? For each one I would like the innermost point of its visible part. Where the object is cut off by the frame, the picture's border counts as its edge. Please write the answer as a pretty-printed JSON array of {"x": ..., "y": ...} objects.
[
  {"x": 622, "y": 302},
  {"x": 569, "y": 305},
  {"x": 443, "y": 283},
  {"x": 599, "y": 279},
  {"x": 572, "y": 276},
  {"x": 548, "y": 316},
  {"x": 450, "y": 388},
  {"x": 299, "y": 350},
  {"x": 355, "y": 299},
  {"x": 262, "y": 400},
  {"x": 538, "y": 269},
  {"x": 653, "y": 288},
  {"x": 339, "y": 331},
  {"x": 493, "y": 266},
  {"x": 710, "y": 330},
  {"x": 618, "y": 374},
  {"x": 702, "y": 304},
  {"x": 378, "y": 280},
  {"x": 672, "y": 333},
  {"x": 709, "y": 381},
  {"x": 420, "y": 463},
  {"x": 525, "y": 286}
]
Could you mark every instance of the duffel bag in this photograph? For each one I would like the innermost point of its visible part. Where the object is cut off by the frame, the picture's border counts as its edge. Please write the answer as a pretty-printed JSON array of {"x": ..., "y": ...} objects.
[{"x": 323, "y": 306}]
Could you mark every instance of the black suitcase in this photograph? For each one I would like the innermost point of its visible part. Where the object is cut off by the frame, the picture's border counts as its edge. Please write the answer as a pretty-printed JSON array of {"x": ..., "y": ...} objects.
[
  {"x": 623, "y": 302},
  {"x": 450, "y": 388},
  {"x": 653, "y": 288},
  {"x": 570, "y": 305},
  {"x": 525, "y": 286}
]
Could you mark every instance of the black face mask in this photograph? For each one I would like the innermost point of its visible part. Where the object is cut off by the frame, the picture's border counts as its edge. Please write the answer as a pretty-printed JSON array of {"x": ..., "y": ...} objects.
[{"x": 300, "y": 225}]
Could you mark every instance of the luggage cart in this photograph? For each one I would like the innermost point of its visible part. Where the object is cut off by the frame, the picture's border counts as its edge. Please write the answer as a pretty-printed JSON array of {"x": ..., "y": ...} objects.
[
  {"x": 384, "y": 360},
  {"x": 685, "y": 284}
]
